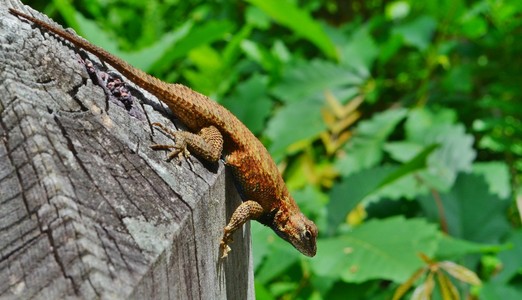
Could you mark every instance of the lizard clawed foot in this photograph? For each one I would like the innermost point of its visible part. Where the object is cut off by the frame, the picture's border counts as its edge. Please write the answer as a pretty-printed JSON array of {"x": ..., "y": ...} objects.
[
  {"x": 179, "y": 151},
  {"x": 223, "y": 246}
]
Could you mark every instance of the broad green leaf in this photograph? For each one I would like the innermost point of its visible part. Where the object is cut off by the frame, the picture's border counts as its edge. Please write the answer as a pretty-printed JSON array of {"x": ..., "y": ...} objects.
[
  {"x": 310, "y": 80},
  {"x": 273, "y": 266},
  {"x": 207, "y": 33},
  {"x": 379, "y": 249},
  {"x": 372, "y": 184},
  {"x": 360, "y": 51},
  {"x": 70, "y": 15},
  {"x": 417, "y": 163},
  {"x": 353, "y": 189},
  {"x": 417, "y": 33},
  {"x": 142, "y": 59},
  {"x": 511, "y": 259},
  {"x": 454, "y": 248},
  {"x": 497, "y": 291},
  {"x": 311, "y": 200},
  {"x": 496, "y": 175},
  {"x": 458, "y": 80},
  {"x": 257, "y": 53},
  {"x": 365, "y": 148},
  {"x": 402, "y": 151},
  {"x": 250, "y": 102},
  {"x": 279, "y": 288},
  {"x": 208, "y": 66},
  {"x": 288, "y": 14},
  {"x": 455, "y": 153},
  {"x": 262, "y": 240},
  {"x": 262, "y": 293},
  {"x": 257, "y": 18},
  {"x": 281, "y": 129},
  {"x": 471, "y": 212}
]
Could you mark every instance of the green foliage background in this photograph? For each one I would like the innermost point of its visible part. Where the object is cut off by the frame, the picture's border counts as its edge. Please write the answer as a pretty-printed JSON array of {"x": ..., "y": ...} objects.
[{"x": 397, "y": 125}]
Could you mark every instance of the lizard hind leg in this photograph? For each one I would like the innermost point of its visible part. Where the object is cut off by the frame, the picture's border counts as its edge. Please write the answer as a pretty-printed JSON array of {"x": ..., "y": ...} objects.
[{"x": 206, "y": 144}]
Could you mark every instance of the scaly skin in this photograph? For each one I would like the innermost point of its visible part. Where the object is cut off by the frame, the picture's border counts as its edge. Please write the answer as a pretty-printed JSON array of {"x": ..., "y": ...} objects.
[{"x": 217, "y": 132}]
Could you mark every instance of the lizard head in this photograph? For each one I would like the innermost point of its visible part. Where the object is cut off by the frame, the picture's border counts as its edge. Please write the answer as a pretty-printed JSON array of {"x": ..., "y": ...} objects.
[{"x": 298, "y": 231}]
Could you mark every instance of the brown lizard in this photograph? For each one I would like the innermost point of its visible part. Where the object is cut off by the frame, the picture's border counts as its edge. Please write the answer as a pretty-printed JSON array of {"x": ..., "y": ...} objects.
[{"x": 215, "y": 133}]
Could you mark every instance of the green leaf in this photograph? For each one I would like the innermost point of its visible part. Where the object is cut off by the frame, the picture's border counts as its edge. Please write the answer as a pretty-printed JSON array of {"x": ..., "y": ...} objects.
[
  {"x": 262, "y": 240},
  {"x": 309, "y": 80},
  {"x": 273, "y": 266},
  {"x": 471, "y": 212},
  {"x": 142, "y": 59},
  {"x": 365, "y": 148},
  {"x": 262, "y": 293},
  {"x": 455, "y": 153},
  {"x": 496, "y": 174},
  {"x": 370, "y": 185},
  {"x": 353, "y": 189},
  {"x": 298, "y": 20},
  {"x": 360, "y": 51},
  {"x": 454, "y": 248},
  {"x": 379, "y": 249},
  {"x": 402, "y": 151},
  {"x": 199, "y": 35},
  {"x": 281, "y": 129},
  {"x": 459, "y": 79},
  {"x": 417, "y": 163},
  {"x": 417, "y": 33},
  {"x": 496, "y": 291},
  {"x": 511, "y": 259},
  {"x": 257, "y": 53},
  {"x": 250, "y": 102}
]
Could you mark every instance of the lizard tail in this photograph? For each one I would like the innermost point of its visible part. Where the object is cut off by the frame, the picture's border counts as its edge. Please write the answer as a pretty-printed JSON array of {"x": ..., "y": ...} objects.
[{"x": 155, "y": 86}]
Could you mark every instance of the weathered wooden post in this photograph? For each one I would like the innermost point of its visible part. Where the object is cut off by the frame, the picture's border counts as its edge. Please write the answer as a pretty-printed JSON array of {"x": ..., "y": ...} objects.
[{"x": 86, "y": 208}]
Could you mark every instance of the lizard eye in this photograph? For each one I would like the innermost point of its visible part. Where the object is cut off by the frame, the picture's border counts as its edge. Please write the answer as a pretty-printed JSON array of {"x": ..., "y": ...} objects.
[{"x": 308, "y": 234}]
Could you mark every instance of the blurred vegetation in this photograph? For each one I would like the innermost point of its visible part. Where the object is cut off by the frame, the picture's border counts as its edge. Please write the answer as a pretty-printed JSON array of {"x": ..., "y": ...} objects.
[{"x": 397, "y": 125}]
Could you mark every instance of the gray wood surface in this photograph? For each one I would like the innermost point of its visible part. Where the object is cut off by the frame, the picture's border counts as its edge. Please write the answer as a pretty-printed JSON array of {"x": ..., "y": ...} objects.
[{"x": 87, "y": 210}]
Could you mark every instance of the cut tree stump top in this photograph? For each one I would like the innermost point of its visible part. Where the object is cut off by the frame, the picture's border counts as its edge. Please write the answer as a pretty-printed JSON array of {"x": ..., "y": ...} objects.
[{"x": 88, "y": 210}]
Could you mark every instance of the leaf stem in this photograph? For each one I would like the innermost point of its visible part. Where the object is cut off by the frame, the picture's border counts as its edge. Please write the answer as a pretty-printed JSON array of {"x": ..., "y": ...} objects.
[{"x": 440, "y": 208}]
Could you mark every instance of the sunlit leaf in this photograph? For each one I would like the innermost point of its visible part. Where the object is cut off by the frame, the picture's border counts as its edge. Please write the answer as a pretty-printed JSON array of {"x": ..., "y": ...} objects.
[
  {"x": 365, "y": 148},
  {"x": 288, "y": 14},
  {"x": 455, "y": 152},
  {"x": 453, "y": 247},
  {"x": 282, "y": 126},
  {"x": 250, "y": 102},
  {"x": 311, "y": 79},
  {"x": 364, "y": 254},
  {"x": 360, "y": 51},
  {"x": 497, "y": 177}
]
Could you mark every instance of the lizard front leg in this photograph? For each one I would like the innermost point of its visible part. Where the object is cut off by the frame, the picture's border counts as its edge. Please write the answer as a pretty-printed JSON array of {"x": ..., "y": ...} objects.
[
  {"x": 207, "y": 143},
  {"x": 248, "y": 210}
]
